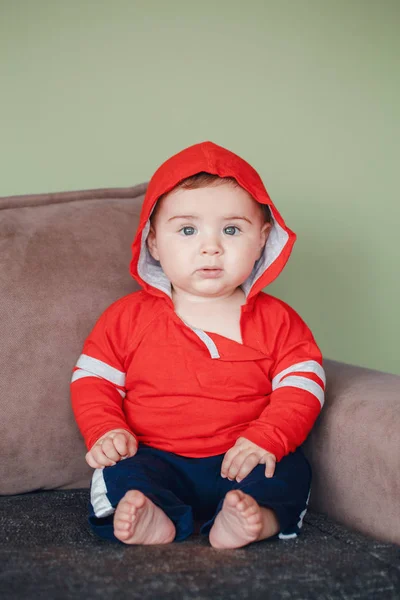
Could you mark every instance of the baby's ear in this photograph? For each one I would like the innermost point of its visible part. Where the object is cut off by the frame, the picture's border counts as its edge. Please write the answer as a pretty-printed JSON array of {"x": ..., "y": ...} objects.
[
  {"x": 152, "y": 243},
  {"x": 264, "y": 234}
]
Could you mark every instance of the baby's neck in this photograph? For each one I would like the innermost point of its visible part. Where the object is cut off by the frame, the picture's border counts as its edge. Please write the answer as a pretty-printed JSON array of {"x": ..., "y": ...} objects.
[
  {"x": 182, "y": 300},
  {"x": 218, "y": 315}
]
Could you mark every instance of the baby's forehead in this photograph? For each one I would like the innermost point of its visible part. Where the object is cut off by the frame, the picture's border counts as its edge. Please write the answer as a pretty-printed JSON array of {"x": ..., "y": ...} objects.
[{"x": 219, "y": 198}]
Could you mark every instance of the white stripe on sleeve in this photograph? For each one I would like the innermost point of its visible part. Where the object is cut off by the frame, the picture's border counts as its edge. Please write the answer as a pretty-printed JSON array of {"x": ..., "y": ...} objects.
[
  {"x": 92, "y": 367},
  {"x": 101, "y": 369},
  {"x": 309, "y": 366},
  {"x": 81, "y": 373},
  {"x": 304, "y": 384}
]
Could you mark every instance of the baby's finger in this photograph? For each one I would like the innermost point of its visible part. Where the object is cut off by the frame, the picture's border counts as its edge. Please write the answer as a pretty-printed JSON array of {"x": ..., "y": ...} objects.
[
  {"x": 100, "y": 457},
  {"x": 236, "y": 464},
  {"x": 109, "y": 450},
  {"x": 228, "y": 458},
  {"x": 132, "y": 446},
  {"x": 270, "y": 464},
  {"x": 121, "y": 444},
  {"x": 247, "y": 466},
  {"x": 91, "y": 461},
  {"x": 97, "y": 460}
]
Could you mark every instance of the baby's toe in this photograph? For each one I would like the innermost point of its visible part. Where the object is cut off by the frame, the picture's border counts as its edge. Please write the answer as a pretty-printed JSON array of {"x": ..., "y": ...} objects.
[
  {"x": 246, "y": 503},
  {"x": 252, "y": 509},
  {"x": 121, "y": 525}
]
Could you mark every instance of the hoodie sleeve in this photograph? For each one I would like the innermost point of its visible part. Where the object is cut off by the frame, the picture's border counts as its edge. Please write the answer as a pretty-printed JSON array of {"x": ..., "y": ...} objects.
[
  {"x": 298, "y": 384},
  {"x": 98, "y": 380}
]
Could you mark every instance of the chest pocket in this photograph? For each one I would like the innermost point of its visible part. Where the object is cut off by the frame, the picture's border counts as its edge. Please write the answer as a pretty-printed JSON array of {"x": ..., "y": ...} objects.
[
  {"x": 185, "y": 368},
  {"x": 238, "y": 380}
]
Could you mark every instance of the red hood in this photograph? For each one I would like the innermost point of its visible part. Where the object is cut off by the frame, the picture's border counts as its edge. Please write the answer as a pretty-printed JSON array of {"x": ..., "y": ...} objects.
[{"x": 216, "y": 160}]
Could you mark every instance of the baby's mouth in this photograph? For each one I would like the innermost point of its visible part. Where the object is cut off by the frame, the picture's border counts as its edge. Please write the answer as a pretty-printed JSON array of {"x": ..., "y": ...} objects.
[{"x": 210, "y": 272}]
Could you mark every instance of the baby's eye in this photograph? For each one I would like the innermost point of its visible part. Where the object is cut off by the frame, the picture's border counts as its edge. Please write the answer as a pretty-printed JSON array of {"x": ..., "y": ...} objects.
[
  {"x": 231, "y": 230},
  {"x": 187, "y": 230}
]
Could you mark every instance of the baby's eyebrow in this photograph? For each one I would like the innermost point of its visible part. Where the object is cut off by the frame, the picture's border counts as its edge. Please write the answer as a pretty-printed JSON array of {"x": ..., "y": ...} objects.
[
  {"x": 183, "y": 217},
  {"x": 230, "y": 218},
  {"x": 234, "y": 218}
]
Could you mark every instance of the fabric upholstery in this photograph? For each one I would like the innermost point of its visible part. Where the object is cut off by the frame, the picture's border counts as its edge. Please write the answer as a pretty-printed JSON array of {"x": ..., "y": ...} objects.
[
  {"x": 63, "y": 259},
  {"x": 354, "y": 449},
  {"x": 47, "y": 551}
]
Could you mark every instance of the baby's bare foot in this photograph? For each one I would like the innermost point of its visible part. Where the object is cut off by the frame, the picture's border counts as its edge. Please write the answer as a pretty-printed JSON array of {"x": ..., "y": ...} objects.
[
  {"x": 138, "y": 521},
  {"x": 242, "y": 521}
]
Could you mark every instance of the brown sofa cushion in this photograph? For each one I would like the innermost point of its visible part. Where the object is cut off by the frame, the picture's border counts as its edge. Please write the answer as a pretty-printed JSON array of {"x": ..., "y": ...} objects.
[
  {"x": 63, "y": 259},
  {"x": 354, "y": 449}
]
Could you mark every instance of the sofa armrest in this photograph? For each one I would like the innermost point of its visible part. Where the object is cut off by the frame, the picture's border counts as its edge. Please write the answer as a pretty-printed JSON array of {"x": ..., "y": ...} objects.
[{"x": 354, "y": 450}]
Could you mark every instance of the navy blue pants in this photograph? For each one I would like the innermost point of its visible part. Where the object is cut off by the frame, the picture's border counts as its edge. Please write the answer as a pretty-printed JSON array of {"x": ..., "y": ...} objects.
[{"x": 192, "y": 489}]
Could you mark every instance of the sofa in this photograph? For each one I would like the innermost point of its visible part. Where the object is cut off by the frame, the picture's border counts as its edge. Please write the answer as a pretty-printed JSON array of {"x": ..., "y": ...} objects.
[{"x": 64, "y": 258}]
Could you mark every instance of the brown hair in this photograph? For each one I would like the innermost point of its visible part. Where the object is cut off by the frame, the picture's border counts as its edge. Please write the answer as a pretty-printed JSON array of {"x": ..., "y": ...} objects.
[{"x": 204, "y": 179}]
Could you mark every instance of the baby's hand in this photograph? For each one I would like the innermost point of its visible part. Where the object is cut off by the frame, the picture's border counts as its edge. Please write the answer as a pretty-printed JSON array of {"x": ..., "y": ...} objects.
[
  {"x": 241, "y": 459},
  {"x": 111, "y": 448}
]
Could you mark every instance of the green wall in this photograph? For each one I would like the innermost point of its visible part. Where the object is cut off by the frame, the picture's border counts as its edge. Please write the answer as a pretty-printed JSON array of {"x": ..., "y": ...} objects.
[{"x": 98, "y": 94}]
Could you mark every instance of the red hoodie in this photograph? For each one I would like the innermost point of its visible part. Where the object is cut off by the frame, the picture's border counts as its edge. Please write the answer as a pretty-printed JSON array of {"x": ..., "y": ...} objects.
[{"x": 191, "y": 392}]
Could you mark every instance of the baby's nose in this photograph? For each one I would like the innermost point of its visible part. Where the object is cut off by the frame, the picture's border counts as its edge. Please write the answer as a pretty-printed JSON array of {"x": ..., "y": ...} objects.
[{"x": 211, "y": 245}]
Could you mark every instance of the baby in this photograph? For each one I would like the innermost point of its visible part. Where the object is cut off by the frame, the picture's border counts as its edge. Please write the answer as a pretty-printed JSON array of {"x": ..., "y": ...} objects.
[{"x": 195, "y": 393}]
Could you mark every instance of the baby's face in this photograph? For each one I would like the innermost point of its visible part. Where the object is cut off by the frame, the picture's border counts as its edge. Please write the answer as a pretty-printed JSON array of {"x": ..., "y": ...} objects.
[{"x": 208, "y": 239}]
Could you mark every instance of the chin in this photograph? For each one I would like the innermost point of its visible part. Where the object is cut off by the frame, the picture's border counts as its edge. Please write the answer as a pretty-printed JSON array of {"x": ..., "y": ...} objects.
[{"x": 214, "y": 291}]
